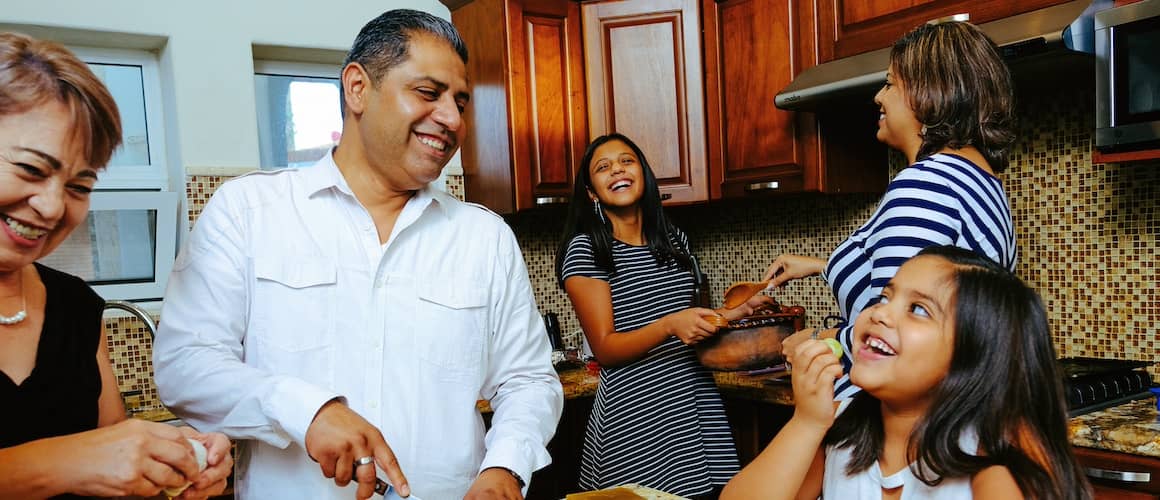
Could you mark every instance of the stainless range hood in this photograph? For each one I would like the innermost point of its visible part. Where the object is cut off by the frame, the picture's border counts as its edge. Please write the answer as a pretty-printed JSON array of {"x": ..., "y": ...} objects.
[{"x": 1064, "y": 27}]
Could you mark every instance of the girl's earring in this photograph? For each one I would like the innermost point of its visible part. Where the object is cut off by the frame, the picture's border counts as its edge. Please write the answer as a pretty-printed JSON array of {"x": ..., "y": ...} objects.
[
  {"x": 599, "y": 212},
  {"x": 922, "y": 132}
]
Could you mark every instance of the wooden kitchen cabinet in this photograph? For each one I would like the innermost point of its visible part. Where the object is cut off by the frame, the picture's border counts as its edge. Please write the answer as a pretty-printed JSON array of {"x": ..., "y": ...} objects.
[
  {"x": 753, "y": 49},
  {"x": 643, "y": 59},
  {"x": 1141, "y": 482},
  {"x": 527, "y": 121},
  {"x": 849, "y": 27},
  {"x": 754, "y": 424}
]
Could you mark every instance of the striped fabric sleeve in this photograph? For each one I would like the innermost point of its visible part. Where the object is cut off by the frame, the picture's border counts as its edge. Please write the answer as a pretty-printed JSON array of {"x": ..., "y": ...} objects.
[
  {"x": 918, "y": 210},
  {"x": 580, "y": 260}
]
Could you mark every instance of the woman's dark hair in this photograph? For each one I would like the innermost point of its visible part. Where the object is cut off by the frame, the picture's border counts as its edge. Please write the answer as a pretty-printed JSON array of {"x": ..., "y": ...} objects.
[
  {"x": 1003, "y": 384},
  {"x": 383, "y": 42},
  {"x": 583, "y": 219},
  {"x": 959, "y": 88}
]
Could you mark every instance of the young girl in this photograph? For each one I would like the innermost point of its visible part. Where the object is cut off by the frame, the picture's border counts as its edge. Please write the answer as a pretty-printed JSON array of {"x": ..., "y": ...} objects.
[
  {"x": 960, "y": 399},
  {"x": 658, "y": 419}
]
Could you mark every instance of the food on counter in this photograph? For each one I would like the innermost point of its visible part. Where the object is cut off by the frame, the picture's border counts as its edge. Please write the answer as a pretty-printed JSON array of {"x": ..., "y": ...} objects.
[
  {"x": 199, "y": 451},
  {"x": 625, "y": 492},
  {"x": 619, "y": 493},
  {"x": 834, "y": 346}
]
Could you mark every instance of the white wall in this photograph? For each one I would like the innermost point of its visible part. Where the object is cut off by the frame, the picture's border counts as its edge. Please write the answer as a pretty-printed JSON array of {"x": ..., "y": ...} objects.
[{"x": 206, "y": 58}]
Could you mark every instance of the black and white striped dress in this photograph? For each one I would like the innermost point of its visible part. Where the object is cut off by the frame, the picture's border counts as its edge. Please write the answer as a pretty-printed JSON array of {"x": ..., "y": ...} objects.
[
  {"x": 940, "y": 200},
  {"x": 659, "y": 421}
]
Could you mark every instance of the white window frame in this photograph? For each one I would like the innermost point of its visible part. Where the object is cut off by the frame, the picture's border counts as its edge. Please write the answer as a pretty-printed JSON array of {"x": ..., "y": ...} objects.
[
  {"x": 154, "y": 176},
  {"x": 164, "y": 251},
  {"x": 269, "y": 67},
  {"x": 141, "y": 186}
]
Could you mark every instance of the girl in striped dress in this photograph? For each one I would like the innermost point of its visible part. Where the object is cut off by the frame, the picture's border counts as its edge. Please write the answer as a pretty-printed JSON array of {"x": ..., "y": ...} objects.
[
  {"x": 658, "y": 419},
  {"x": 946, "y": 105}
]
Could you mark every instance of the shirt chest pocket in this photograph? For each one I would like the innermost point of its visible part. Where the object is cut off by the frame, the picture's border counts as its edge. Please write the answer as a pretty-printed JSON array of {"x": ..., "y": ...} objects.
[
  {"x": 293, "y": 302},
  {"x": 452, "y": 328}
]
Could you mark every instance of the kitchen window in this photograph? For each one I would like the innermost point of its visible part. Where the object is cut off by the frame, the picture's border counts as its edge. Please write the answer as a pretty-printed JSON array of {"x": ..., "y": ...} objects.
[
  {"x": 132, "y": 78},
  {"x": 299, "y": 117},
  {"x": 126, "y": 247}
]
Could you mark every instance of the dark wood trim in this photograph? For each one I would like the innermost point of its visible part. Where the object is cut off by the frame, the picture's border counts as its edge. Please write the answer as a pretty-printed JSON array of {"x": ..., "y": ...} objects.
[{"x": 1124, "y": 156}]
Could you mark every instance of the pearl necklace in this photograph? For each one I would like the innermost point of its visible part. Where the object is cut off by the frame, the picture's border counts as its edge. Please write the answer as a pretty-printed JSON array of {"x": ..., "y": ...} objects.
[{"x": 19, "y": 316}]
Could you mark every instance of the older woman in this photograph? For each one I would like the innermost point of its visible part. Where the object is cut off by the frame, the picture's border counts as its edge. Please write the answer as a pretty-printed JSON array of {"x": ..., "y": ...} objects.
[
  {"x": 947, "y": 106},
  {"x": 63, "y": 430}
]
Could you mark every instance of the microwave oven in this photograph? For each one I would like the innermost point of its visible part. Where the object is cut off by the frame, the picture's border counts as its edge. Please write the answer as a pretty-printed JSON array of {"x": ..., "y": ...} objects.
[{"x": 1127, "y": 43}]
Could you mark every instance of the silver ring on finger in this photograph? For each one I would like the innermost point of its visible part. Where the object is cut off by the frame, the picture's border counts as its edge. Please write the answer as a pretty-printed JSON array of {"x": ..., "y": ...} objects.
[{"x": 364, "y": 461}]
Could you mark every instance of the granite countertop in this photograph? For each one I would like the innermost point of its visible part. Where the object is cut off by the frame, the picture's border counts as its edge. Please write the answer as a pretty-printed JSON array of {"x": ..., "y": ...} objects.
[
  {"x": 578, "y": 383},
  {"x": 1132, "y": 427}
]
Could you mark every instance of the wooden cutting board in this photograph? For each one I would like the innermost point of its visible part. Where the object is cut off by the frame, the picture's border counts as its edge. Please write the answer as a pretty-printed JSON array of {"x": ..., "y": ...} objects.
[{"x": 625, "y": 492}]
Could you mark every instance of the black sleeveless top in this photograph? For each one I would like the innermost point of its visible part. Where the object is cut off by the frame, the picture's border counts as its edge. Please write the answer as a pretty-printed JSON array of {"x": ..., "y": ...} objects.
[{"x": 60, "y": 396}]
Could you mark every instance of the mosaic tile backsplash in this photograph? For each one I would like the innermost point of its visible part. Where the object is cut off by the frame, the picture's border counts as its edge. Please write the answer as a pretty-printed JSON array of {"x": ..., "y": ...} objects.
[{"x": 1088, "y": 236}]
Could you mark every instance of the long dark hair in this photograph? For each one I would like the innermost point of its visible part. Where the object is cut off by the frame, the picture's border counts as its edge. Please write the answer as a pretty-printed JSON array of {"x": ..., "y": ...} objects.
[
  {"x": 583, "y": 219},
  {"x": 1003, "y": 383},
  {"x": 960, "y": 89}
]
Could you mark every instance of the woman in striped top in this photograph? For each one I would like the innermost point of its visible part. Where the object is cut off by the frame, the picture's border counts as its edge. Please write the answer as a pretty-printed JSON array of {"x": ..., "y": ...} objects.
[
  {"x": 658, "y": 419},
  {"x": 946, "y": 105}
]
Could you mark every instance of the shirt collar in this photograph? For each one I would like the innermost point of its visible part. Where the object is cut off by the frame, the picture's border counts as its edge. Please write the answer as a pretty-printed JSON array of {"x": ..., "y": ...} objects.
[{"x": 324, "y": 174}]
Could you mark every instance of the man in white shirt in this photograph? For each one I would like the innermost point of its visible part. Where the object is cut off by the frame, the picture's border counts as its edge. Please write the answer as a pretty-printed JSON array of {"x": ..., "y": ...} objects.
[{"x": 350, "y": 315}]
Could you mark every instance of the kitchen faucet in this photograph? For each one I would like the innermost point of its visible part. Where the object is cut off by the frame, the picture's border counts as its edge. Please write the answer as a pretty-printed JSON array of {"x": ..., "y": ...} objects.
[{"x": 137, "y": 311}]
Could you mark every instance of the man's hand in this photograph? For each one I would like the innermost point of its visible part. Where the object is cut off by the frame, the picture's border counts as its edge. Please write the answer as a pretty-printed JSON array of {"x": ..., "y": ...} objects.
[
  {"x": 494, "y": 483},
  {"x": 338, "y": 437}
]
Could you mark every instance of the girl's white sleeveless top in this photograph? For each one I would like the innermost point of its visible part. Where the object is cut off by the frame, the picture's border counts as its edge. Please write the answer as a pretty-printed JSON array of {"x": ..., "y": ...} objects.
[{"x": 869, "y": 483}]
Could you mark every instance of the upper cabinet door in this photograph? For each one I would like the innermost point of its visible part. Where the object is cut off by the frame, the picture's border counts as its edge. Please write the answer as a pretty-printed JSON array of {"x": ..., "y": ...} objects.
[
  {"x": 527, "y": 122},
  {"x": 753, "y": 49},
  {"x": 643, "y": 61},
  {"x": 849, "y": 27}
]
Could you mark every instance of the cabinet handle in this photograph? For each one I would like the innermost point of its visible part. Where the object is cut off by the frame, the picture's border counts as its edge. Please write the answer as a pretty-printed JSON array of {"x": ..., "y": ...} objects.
[
  {"x": 665, "y": 196},
  {"x": 551, "y": 200},
  {"x": 964, "y": 17},
  {"x": 762, "y": 186},
  {"x": 1127, "y": 477}
]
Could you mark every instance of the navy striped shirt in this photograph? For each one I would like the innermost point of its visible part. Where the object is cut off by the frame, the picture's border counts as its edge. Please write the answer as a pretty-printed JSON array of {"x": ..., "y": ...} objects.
[
  {"x": 658, "y": 421},
  {"x": 944, "y": 199}
]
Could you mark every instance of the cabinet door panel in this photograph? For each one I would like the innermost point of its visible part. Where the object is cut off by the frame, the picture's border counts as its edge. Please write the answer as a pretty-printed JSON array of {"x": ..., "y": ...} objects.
[
  {"x": 755, "y": 59},
  {"x": 644, "y": 81},
  {"x": 558, "y": 134},
  {"x": 526, "y": 127}
]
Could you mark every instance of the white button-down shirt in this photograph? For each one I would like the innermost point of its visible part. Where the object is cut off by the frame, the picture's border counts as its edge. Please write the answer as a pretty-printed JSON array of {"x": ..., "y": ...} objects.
[{"x": 284, "y": 299}]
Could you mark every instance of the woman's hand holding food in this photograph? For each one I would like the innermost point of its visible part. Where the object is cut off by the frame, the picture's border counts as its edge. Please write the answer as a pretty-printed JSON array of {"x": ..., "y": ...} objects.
[
  {"x": 219, "y": 464},
  {"x": 130, "y": 458},
  {"x": 815, "y": 368},
  {"x": 788, "y": 267},
  {"x": 791, "y": 342},
  {"x": 691, "y": 325}
]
